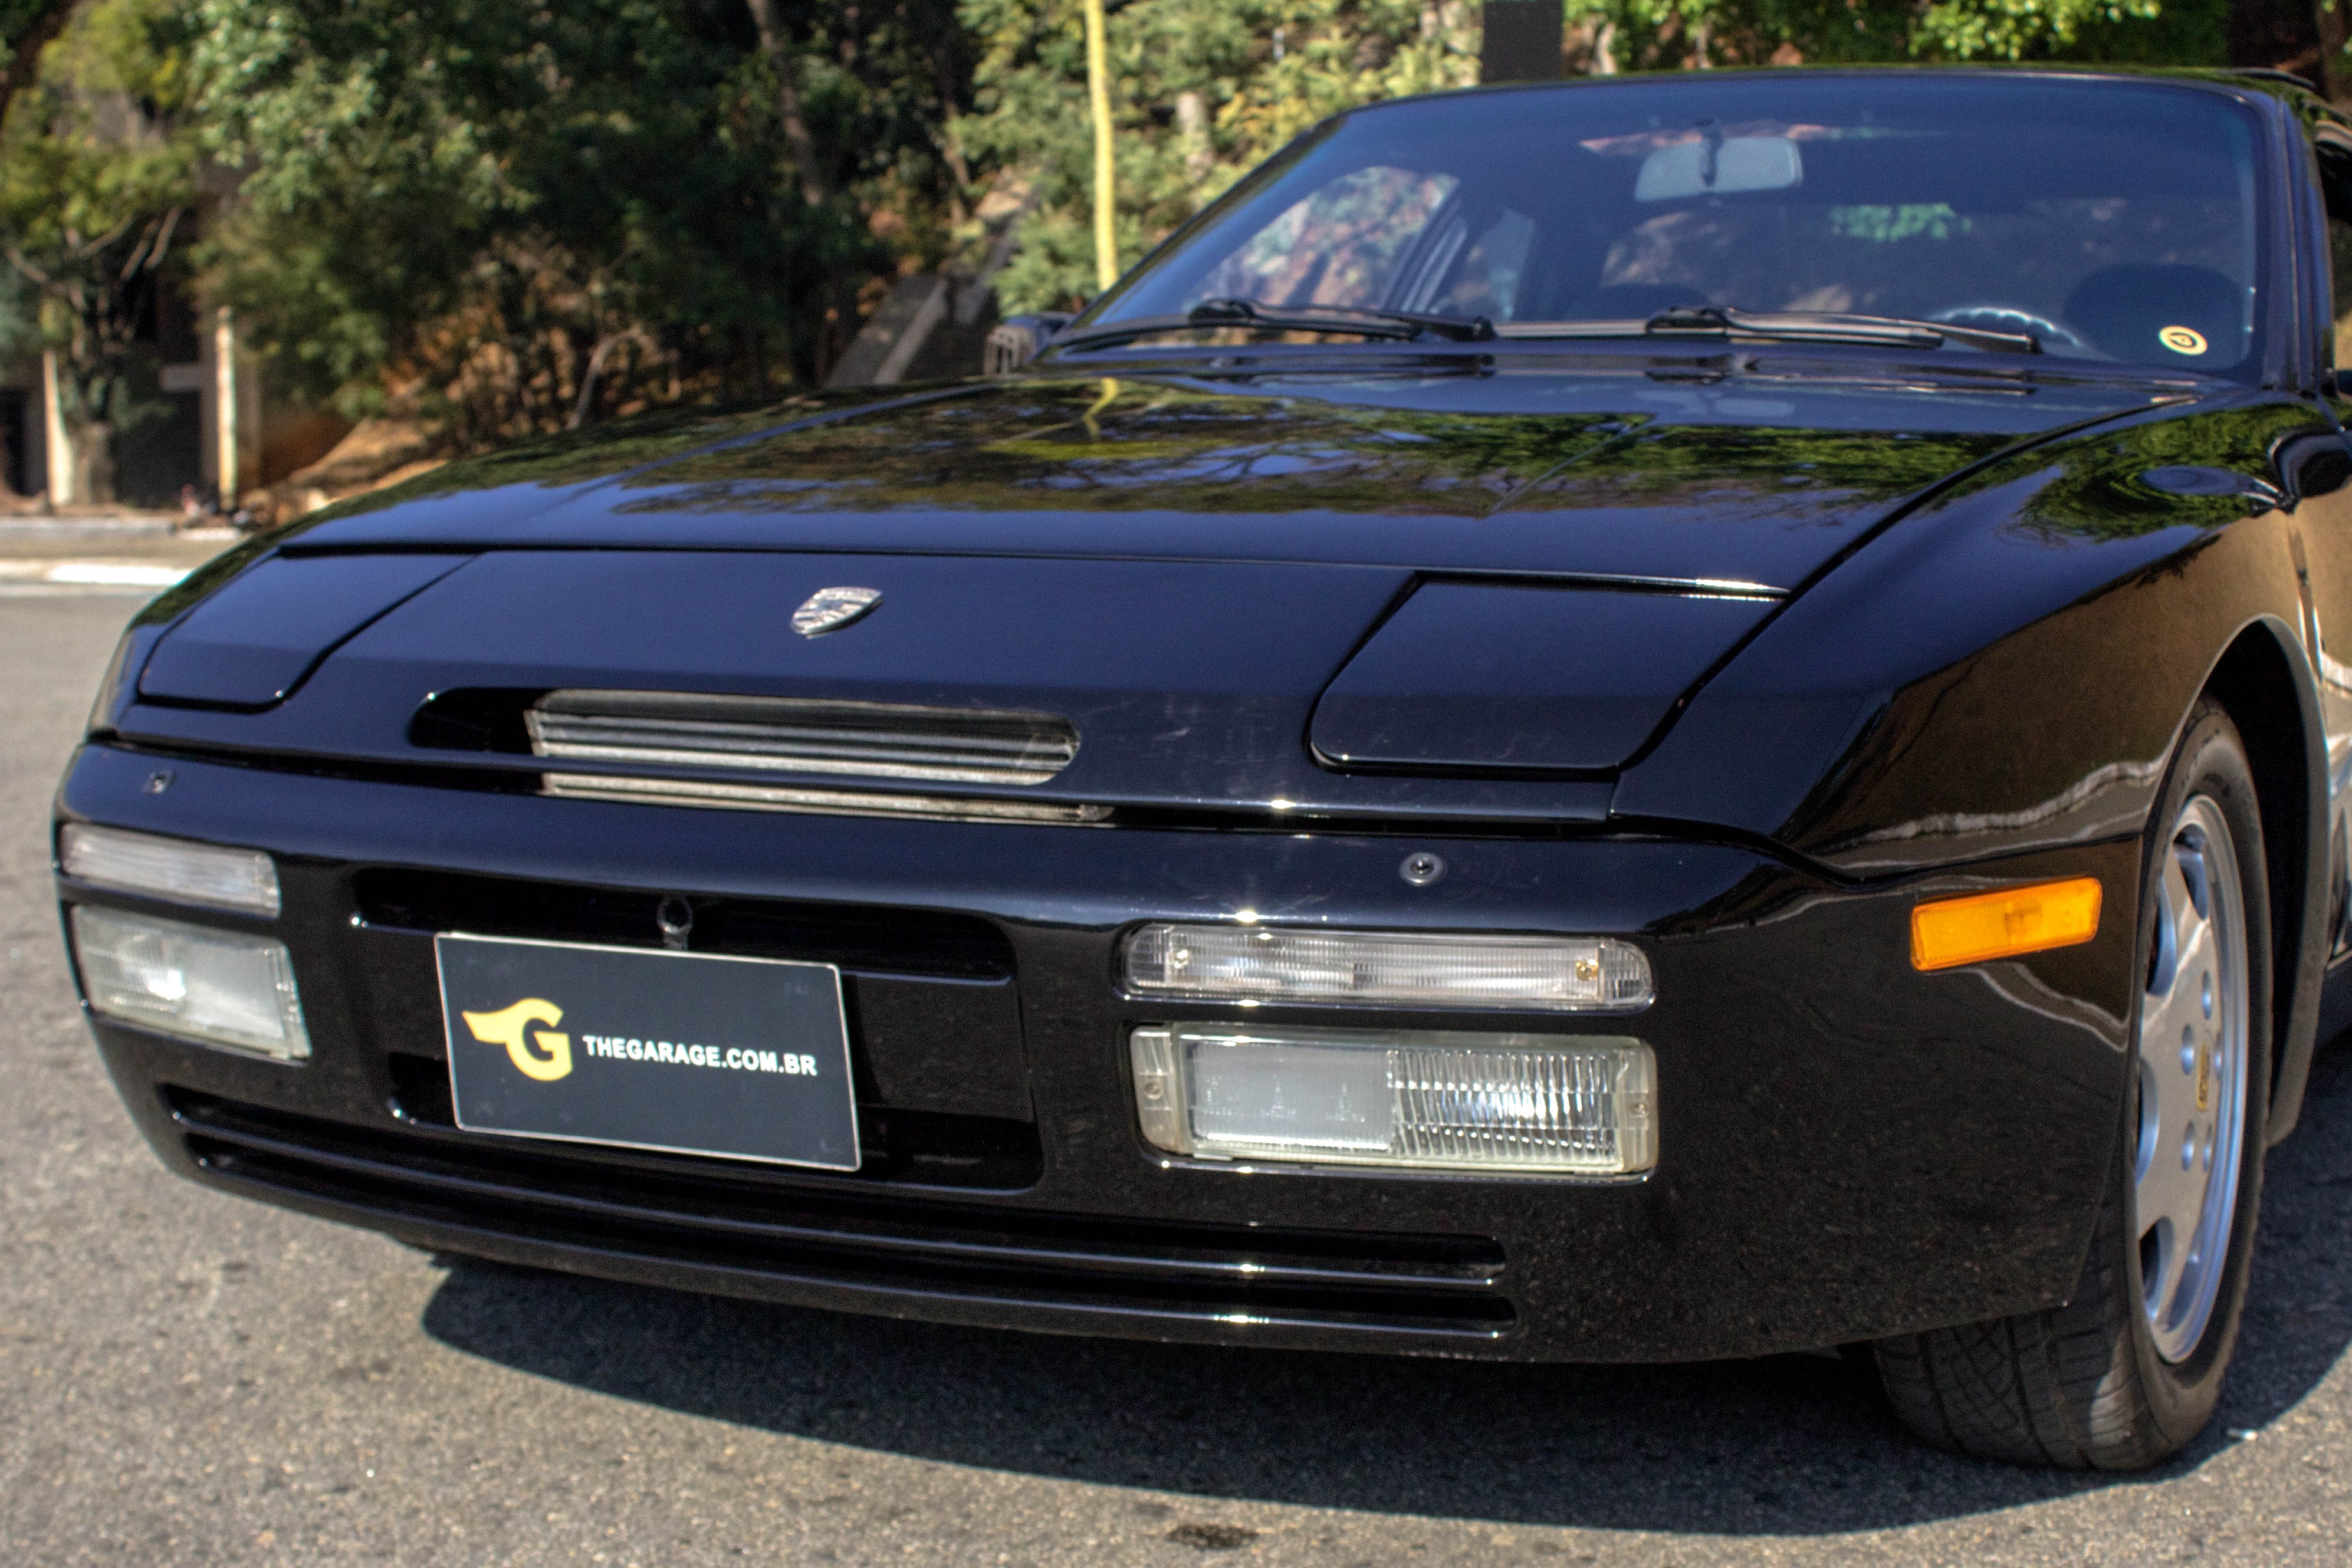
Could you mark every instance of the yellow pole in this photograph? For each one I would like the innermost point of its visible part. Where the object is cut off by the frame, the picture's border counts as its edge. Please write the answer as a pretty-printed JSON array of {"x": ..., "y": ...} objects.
[{"x": 1098, "y": 106}]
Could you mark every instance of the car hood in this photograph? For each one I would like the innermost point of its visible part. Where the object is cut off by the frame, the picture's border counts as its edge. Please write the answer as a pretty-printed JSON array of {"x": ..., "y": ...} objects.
[
  {"x": 1459, "y": 595},
  {"x": 1754, "y": 471}
]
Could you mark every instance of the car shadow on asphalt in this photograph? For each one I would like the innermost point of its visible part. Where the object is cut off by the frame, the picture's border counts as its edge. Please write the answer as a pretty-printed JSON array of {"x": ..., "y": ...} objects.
[{"x": 1783, "y": 1445}]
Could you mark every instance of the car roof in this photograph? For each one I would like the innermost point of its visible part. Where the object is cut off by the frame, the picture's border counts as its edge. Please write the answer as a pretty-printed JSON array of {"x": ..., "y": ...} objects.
[{"x": 2238, "y": 80}]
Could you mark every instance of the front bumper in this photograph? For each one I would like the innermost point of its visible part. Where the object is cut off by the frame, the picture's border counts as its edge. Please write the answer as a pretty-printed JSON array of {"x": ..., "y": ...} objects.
[{"x": 1848, "y": 1148}]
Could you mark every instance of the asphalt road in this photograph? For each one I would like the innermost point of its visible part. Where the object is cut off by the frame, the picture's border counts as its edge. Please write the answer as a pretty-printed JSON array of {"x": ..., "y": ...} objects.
[{"x": 186, "y": 1378}]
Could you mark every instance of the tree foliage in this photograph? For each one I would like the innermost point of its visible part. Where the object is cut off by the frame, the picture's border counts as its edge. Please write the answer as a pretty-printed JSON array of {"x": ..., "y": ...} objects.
[
  {"x": 489, "y": 200},
  {"x": 1201, "y": 91},
  {"x": 515, "y": 217},
  {"x": 1653, "y": 34},
  {"x": 27, "y": 28},
  {"x": 96, "y": 177}
]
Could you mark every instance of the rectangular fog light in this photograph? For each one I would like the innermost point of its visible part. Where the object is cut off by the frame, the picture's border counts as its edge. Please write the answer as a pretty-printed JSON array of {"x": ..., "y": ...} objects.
[
  {"x": 169, "y": 868},
  {"x": 213, "y": 986},
  {"x": 1277, "y": 964},
  {"x": 1418, "y": 1098}
]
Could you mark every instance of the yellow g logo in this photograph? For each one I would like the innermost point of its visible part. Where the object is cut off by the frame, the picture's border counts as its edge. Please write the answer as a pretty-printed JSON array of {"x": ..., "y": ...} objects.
[
  {"x": 505, "y": 1028},
  {"x": 2182, "y": 339}
]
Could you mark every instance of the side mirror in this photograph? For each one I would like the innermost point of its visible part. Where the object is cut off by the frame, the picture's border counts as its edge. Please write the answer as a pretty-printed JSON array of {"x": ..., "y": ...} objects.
[
  {"x": 1017, "y": 340},
  {"x": 2333, "y": 145}
]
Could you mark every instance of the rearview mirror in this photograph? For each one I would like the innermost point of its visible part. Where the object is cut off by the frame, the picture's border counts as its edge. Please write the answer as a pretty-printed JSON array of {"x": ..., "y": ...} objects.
[{"x": 1718, "y": 166}]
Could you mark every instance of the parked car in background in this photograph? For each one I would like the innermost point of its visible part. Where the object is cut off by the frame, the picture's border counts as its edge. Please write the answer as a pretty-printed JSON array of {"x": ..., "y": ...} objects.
[{"x": 1637, "y": 721}]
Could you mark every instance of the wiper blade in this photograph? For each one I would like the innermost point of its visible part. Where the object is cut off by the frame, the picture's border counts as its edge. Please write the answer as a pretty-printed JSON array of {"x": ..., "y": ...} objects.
[
  {"x": 1784, "y": 326},
  {"x": 1341, "y": 318},
  {"x": 1399, "y": 326},
  {"x": 1830, "y": 326}
]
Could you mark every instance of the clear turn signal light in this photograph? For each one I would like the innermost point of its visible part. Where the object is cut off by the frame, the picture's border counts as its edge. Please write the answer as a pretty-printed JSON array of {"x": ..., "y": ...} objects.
[
  {"x": 217, "y": 986},
  {"x": 169, "y": 868},
  {"x": 1240, "y": 963},
  {"x": 1425, "y": 1099}
]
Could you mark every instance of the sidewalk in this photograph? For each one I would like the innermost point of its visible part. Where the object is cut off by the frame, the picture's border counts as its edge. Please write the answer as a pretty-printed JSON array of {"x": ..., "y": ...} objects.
[{"x": 133, "y": 553}]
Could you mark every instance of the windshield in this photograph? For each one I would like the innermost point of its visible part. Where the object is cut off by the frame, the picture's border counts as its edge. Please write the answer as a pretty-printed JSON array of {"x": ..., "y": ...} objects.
[{"x": 2111, "y": 220}]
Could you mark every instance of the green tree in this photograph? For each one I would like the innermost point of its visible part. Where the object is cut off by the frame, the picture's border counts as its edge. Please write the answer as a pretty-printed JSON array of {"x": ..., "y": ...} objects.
[
  {"x": 96, "y": 177},
  {"x": 484, "y": 200},
  {"x": 1201, "y": 91},
  {"x": 516, "y": 217},
  {"x": 27, "y": 28},
  {"x": 1653, "y": 34}
]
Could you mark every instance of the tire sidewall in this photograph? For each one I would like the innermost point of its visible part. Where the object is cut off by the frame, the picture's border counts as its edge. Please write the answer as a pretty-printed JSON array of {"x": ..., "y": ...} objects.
[{"x": 2211, "y": 762}]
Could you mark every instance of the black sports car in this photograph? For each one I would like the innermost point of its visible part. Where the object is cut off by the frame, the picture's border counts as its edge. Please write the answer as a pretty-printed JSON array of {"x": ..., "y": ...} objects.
[{"x": 1652, "y": 719}]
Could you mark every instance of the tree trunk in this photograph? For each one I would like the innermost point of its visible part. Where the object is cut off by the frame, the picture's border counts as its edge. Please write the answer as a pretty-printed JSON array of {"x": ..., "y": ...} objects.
[
  {"x": 958, "y": 173},
  {"x": 605, "y": 346},
  {"x": 944, "y": 75},
  {"x": 25, "y": 49},
  {"x": 1193, "y": 134},
  {"x": 93, "y": 449},
  {"x": 814, "y": 189},
  {"x": 2334, "y": 78}
]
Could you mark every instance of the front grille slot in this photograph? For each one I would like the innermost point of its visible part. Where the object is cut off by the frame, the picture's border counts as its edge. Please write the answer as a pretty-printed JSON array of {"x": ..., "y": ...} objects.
[
  {"x": 756, "y": 1225},
  {"x": 801, "y": 736},
  {"x": 929, "y": 1148},
  {"x": 815, "y": 802},
  {"x": 878, "y": 941}
]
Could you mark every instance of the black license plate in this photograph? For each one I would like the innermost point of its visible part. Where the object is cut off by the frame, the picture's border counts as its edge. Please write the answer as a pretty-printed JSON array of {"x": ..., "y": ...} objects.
[{"x": 683, "y": 1052}]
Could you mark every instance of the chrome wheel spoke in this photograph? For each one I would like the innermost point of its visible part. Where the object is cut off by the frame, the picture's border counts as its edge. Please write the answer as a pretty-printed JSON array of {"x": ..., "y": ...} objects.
[
  {"x": 2171, "y": 1200},
  {"x": 2176, "y": 911}
]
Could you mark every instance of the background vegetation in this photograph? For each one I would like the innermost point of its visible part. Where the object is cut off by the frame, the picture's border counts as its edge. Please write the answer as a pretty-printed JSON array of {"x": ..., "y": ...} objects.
[{"x": 504, "y": 217}]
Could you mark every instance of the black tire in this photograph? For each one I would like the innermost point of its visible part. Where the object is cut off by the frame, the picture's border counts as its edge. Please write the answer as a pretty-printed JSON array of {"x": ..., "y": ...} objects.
[{"x": 2083, "y": 1386}]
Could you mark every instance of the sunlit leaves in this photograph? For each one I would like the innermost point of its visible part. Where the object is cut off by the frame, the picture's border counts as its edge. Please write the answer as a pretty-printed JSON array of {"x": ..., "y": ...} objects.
[
  {"x": 1646, "y": 35},
  {"x": 1202, "y": 90},
  {"x": 98, "y": 177}
]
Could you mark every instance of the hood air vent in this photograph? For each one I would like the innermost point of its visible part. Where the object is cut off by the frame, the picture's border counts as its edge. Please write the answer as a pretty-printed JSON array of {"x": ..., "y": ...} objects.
[{"x": 801, "y": 736}]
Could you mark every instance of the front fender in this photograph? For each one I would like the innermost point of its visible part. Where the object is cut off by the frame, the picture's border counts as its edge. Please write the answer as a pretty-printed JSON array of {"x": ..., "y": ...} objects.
[
  {"x": 2003, "y": 667},
  {"x": 2004, "y": 671}
]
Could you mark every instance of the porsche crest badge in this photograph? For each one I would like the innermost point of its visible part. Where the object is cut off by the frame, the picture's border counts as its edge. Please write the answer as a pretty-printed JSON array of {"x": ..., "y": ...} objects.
[{"x": 831, "y": 608}]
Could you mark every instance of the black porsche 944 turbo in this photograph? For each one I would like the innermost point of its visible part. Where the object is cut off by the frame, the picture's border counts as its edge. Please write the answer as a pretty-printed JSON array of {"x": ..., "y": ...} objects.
[{"x": 1630, "y": 721}]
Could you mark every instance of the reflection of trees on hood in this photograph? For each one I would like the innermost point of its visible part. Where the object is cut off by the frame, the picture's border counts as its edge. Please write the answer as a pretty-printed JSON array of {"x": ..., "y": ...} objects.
[
  {"x": 577, "y": 458},
  {"x": 2080, "y": 495},
  {"x": 1155, "y": 447},
  {"x": 1164, "y": 444},
  {"x": 2098, "y": 488},
  {"x": 1148, "y": 447},
  {"x": 1768, "y": 469}
]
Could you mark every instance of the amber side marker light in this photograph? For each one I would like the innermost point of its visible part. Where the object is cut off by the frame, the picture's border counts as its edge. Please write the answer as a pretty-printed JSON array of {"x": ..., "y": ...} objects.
[{"x": 1953, "y": 931}]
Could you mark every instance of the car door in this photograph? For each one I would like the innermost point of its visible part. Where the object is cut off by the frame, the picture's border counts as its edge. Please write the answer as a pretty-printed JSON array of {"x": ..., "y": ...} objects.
[{"x": 2316, "y": 469}]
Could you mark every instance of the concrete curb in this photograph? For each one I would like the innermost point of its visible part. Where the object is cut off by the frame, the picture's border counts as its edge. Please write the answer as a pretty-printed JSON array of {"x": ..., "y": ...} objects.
[{"x": 88, "y": 576}]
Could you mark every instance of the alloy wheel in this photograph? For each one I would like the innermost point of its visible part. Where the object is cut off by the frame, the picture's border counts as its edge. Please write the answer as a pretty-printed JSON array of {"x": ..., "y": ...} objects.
[{"x": 2192, "y": 1079}]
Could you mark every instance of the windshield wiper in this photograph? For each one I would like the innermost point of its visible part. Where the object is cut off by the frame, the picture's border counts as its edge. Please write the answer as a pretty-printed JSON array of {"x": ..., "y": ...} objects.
[
  {"x": 1786, "y": 326},
  {"x": 1341, "y": 318},
  {"x": 1400, "y": 326},
  {"x": 1832, "y": 327}
]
